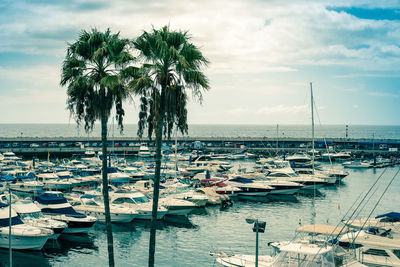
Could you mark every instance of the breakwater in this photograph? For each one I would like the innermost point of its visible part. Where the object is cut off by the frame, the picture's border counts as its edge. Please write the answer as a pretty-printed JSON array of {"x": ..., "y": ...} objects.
[{"x": 65, "y": 146}]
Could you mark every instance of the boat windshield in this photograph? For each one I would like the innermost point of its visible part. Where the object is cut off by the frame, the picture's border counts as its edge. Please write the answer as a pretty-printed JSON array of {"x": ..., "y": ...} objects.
[
  {"x": 280, "y": 165},
  {"x": 142, "y": 199},
  {"x": 34, "y": 215}
]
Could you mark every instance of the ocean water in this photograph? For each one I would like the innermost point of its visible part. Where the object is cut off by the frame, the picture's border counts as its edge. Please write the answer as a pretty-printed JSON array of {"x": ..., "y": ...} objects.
[
  {"x": 196, "y": 130},
  {"x": 188, "y": 243}
]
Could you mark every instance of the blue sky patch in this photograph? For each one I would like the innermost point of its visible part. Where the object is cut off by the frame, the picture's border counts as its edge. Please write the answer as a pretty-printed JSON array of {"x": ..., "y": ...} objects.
[{"x": 370, "y": 13}]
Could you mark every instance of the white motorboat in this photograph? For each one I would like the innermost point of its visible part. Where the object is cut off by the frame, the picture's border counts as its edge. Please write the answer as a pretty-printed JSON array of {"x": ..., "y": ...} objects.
[
  {"x": 10, "y": 156},
  {"x": 308, "y": 182},
  {"x": 357, "y": 164},
  {"x": 292, "y": 254},
  {"x": 27, "y": 186},
  {"x": 134, "y": 200},
  {"x": 380, "y": 224},
  {"x": 177, "y": 206},
  {"x": 51, "y": 181},
  {"x": 57, "y": 208},
  {"x": 134, "y": 173},
  {"x": 30, "y": 214},
  {"x": 373, "y": 250},
  {"x": 23, "y": 236},
  {"x": 115, "y": 175},
  {"x": 249, "y": 189},
  {"x": 299, "y": 160},
  {"x": 144, "y": 151},
  {"x": 92, "y": 205},
  {"x": 200, "y": 200}
]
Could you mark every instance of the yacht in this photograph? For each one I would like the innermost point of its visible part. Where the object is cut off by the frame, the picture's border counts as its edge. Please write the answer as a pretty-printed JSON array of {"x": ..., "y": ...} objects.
[
  {"x": 291, "y": 254},
  {"x": 51, "y": 181},
  {"x": 56, "y": 207},
  {"x": 10, "y": 156},
  {"x": 309, "y": 183},
  {"x": 23, "y": 236},
  {"x": 30, "y": 214},
  {"x": 249, "y": 188},
  {"x": 177, "y": 206},
  {"x": 380, "y": 224},
  {"x": 133, "y": 199},
  {"x": 357, "y": 164},
  {"x": 299, "y": 160},
  {"x": 92, "y": 205},
  {"x": 144, "y": 151},
  {"x": 373, "y": 249}
]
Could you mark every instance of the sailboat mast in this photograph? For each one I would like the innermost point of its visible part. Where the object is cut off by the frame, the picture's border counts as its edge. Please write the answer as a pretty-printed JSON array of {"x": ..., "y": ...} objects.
[
  {"x": 312, "y": 124},
  {"x": 176, "y": 152}
]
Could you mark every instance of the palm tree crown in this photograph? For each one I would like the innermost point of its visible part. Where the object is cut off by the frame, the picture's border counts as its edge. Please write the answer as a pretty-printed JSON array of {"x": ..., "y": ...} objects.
[
  {"x": 91, "y": 71},
  {"x": 170, "y": 65}
]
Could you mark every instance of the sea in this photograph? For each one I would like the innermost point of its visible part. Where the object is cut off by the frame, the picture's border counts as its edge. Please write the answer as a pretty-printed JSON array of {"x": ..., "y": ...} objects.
[
  {"x": 210, "y": 130},
  {"x": 188, "y": 242}
]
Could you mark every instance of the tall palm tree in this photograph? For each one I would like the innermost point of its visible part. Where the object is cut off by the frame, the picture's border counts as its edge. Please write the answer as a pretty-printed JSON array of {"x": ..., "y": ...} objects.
[
  {"x": 91, "y": 71},
  {"x": 171, "y": 64}
]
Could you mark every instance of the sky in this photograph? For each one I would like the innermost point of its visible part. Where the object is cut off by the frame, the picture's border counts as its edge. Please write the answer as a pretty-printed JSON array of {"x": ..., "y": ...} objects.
[{"x": 263, "y": 55}]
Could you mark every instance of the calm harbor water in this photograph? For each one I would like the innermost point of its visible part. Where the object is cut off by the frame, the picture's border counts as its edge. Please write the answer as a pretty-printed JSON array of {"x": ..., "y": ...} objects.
[
  {"x": 211, "y": 229},
  {"x": 335, "y": 131}
]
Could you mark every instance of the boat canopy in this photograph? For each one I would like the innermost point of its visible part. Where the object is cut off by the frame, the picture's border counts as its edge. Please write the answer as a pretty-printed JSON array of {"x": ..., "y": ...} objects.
[
  {"x": 392, "y": 215},
  {"x": 322, "y": 229}
]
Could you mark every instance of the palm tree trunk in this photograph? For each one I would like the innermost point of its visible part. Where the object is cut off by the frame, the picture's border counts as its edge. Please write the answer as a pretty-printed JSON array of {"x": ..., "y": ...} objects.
[
  {"x": 110, "y": 242},
  {"x": 156, "y": 191}
]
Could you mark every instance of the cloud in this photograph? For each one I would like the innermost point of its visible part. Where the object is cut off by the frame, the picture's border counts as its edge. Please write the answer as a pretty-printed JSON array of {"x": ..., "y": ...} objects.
[
  {"x": 282, "y": 109},
  {"x": 383, "y": 94},
  {"x": 235, "y": 35},
  {"x": 270, "y": 110}
]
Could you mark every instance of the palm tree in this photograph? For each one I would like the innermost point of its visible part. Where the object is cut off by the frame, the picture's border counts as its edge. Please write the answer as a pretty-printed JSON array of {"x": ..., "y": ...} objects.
[
  {"x": 91, "y": 71},
  {"x": 170, "y": 65}
]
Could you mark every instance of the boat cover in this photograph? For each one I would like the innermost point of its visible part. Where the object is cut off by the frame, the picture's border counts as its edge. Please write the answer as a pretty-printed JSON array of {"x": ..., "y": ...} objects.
[
  {"x": 4, "y": 216},
  {"x": 393, "y": 215},
  {"x": 7, "y": 178},
  {"x": 48, "y": 199},
  {"x": 241, "y": 180},
  {"x": 14, "y": 221},
  {"x": 68, "y": 211}
]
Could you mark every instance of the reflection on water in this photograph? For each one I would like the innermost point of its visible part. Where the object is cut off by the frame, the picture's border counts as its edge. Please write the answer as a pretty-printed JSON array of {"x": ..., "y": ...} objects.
[
  {"x": 21, "y": 258},
  {"x": 178, "y": 221},
  {"x": 66, "y": 243}
]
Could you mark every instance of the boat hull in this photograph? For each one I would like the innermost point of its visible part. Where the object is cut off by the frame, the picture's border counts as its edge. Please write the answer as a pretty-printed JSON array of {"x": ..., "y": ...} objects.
[{"x": 19, "y": 242}]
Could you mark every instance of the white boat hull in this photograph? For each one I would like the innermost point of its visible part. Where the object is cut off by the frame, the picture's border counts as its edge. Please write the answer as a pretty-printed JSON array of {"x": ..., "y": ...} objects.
[
  {"x": 115, "y": 217},
  {"x": 23, "y": 242}
]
